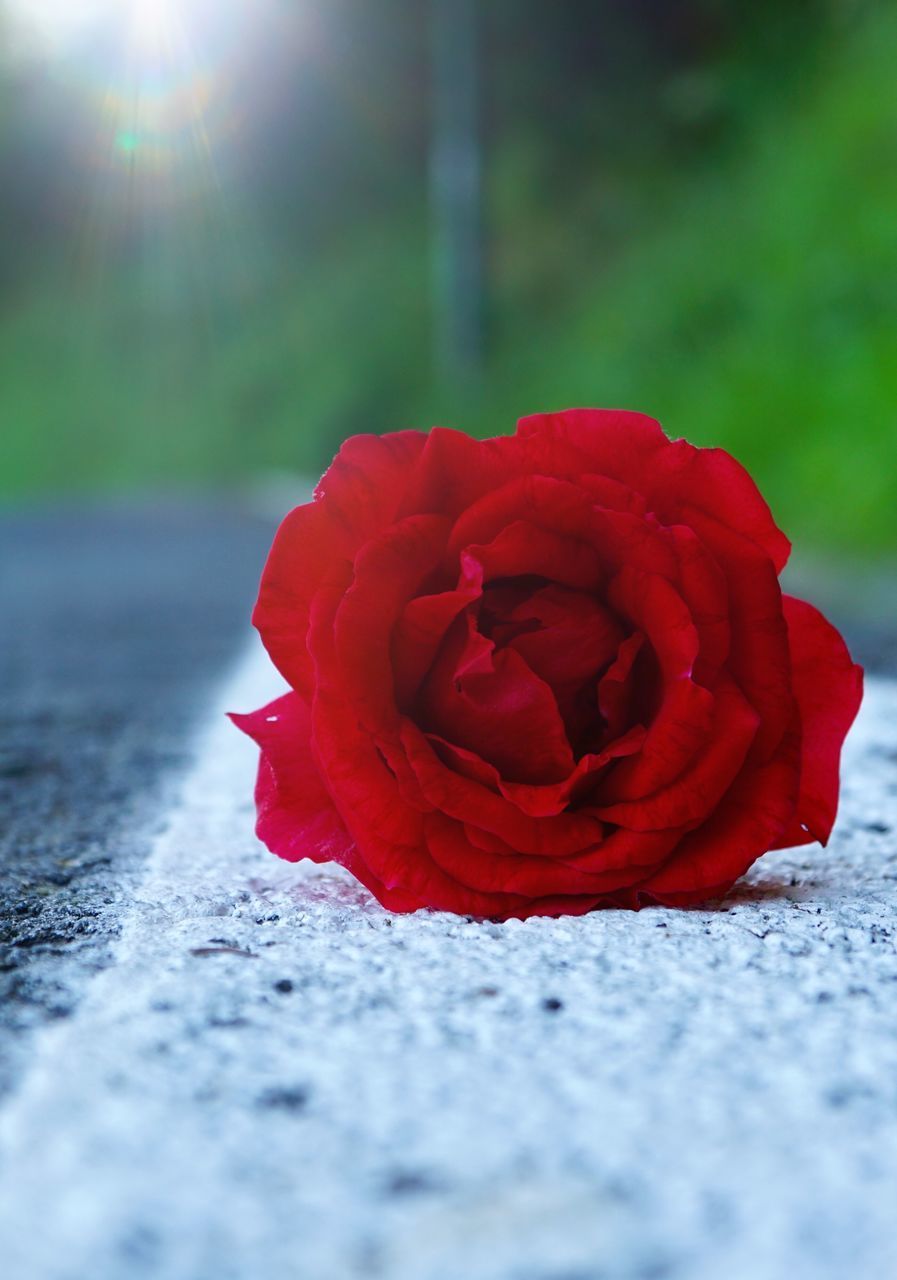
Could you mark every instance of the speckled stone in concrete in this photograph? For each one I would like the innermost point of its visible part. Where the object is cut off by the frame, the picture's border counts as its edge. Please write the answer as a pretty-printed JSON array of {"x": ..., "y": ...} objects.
[{"x": 278, "y": 1078}]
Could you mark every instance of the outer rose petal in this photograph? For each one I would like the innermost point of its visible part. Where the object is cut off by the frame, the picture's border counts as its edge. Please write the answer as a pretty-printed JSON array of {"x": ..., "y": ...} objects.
[
  {"x": 389, "y": 571},
  {"x": 389, "y": 834},
  {"x": 305, "y": 547},
  {"x": 454, "y": 470},
  {"x": 758, "y": 658},
  {"x": 828, "y": 687},
  {"x": 748, "y": 821},
  {"x": 296, "y": 817},
  {"x": 524, "y": 874},
  {"x": 356, "y": 497},
  {"x": 366, "y": 483},
  {"x": 633, "y": 448},
  {"x": 702, "y": 585},
  {"x": 688, "y": 798}
]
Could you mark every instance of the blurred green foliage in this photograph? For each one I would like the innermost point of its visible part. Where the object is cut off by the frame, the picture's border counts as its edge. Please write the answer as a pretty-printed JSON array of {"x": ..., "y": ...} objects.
[{"x": 710, "y": 237}]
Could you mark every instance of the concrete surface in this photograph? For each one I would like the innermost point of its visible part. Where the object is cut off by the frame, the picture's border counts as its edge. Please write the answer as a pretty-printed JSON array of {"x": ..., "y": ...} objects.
[
  {"x": 116, "y": 622},
  {"x": 277, "y": 1078}
]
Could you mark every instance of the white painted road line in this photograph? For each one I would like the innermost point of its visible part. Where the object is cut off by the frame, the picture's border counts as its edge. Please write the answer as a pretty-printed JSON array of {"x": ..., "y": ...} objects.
[{"x": 277, "y": 1078}]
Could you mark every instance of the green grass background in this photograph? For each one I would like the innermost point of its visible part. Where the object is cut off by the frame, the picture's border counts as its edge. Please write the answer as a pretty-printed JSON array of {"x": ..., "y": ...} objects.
[{"x": 748, "y": 301}]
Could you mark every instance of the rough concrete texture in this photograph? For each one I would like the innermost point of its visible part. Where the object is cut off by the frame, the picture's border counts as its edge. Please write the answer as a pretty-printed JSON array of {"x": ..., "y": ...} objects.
[
  {"x": 116, "y": 623},
  {"x": 278, "y": 1078}
]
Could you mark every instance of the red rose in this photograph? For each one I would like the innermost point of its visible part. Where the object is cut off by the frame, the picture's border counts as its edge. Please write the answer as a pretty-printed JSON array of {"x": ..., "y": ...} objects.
[{"x": 540, "y": 673}]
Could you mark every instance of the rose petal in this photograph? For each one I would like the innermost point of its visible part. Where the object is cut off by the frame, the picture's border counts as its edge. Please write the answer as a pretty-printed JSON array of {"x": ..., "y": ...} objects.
[
  {"x": 568, "y": 639},
  {"x": 681, "y": 724},
  {"x": 758, "y": 657},
  {"x": 371, "y": 799},
  {"x": 305, "y": 547},
  {"x": 526, "y": 875},
  {"x": 700, "y": 786},
  {"x": 546, "y": 800},
  {"x": 296, "y": 818},
  {"x": 523, "y": 548},
  {"x": 491, "y": 702},
  {"x": 615, "y": 692},
  {"x": 296, "y": 815},
  {"x": 612, "y": 494},
  {"x": 419, "y": 634},
  {"x": 357, "y": 496},
  {"x": 748, "y": 821},
  {"x": 388, "y": 572},
  {"x": 466, "y": 762},
  {"x": 634, "y": 854},
  {"x": 576, "y": 639},
  {"x": 565, "y": 509},
  {"x": 702, "y": 585},
  {"x": 469, "y": 801},
  {"x": 455, "y": 470},
  {"x": 367, "y": 482},
  {"x": 828, "y": 687},
  {"x": 632, "y": 448}
]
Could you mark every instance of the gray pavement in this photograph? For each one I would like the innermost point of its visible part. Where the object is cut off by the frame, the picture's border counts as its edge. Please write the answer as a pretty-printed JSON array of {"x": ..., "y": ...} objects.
[{"x": 115, "y": 622}]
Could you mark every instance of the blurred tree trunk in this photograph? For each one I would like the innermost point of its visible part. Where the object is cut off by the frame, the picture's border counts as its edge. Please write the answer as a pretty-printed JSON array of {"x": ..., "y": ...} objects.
[{"x": 455, "y": 191}]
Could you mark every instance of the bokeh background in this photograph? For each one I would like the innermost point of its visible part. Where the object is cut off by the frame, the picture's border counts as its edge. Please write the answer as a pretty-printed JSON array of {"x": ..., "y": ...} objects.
[{"x": 236, "y": 231}]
